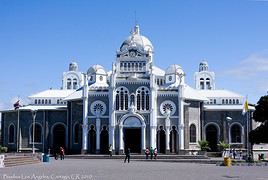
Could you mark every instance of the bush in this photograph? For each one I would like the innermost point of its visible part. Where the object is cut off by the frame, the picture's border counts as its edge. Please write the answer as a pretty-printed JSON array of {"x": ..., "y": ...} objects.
[
  {"x": 203, "y": 145},
  {"x": 3, "y": 149},
  {"x": 223, "y": 145}
]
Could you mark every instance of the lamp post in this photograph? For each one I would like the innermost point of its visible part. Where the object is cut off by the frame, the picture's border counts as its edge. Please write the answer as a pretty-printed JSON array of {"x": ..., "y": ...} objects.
[
  {"x": 228, "y": 119},
  {"x": 33, "y": 127}
]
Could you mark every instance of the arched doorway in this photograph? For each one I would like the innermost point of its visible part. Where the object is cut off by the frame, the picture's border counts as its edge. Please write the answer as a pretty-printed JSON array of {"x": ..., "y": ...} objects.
[
  {"x": 132, "y": 134},
  {"x": 161, "y": 140},
  {"x": 104, "y": 141},
  {"x": 92, "y": 140},
  {"x": 212, "y": 137},
  {"x": 173, "y": 140},
  {"x": 59, "y": 137},
  {"x": 236, "y": 136}
]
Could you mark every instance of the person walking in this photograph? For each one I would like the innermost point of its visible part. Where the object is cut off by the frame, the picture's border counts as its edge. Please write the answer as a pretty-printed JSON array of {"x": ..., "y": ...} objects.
[
  {"x": 111, "y": 150},
  {"x": 127, "y": 158},
  {"x": 62, "y": 153},
  {"x": 155, "y": 153},
  {"x": 147, "y": 152},
  {"x": 151, "y": 152}
]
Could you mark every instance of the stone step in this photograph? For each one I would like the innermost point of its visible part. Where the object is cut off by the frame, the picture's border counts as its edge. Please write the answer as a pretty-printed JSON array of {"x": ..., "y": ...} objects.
[
  {"x": 135, "y": 156},
  {"x": 20, "y": 160}
]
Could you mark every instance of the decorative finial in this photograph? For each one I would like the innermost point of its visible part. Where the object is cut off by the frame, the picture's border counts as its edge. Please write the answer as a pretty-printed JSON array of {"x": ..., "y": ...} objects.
[{"x": 137, "y": 29}]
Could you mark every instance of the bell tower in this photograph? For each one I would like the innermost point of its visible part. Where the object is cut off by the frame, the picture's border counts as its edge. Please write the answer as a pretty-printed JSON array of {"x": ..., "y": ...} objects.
[{"x": 204, "y": 79}]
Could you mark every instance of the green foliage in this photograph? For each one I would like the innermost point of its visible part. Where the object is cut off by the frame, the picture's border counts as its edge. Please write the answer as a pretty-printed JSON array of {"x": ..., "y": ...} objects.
[
  {"x": 203, "y": 145},
  {"x": 261, "y": 110},
  {"x": 260, "y": 134},
  {"x": 3, "y": 149},
  {"x": 223, "y": 145}
]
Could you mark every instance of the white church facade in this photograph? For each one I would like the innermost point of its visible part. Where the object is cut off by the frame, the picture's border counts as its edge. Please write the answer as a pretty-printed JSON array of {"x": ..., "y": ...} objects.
[{"x": 135, "y": 105}]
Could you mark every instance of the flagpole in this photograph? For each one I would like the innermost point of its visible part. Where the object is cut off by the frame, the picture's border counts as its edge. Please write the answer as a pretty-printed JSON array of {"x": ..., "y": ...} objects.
[{"x": 18, "y": 130}]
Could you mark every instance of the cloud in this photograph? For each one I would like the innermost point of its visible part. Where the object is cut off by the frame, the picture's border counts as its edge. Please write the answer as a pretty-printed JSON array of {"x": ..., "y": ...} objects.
[{"x": 253, "y": 66}]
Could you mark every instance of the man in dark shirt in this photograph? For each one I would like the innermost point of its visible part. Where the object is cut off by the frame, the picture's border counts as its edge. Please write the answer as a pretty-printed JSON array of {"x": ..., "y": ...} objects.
[{"x": 127, "y": 155}]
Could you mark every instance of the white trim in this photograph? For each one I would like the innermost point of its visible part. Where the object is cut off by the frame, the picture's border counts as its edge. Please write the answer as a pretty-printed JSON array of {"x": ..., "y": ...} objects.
[
  {"x": 140, "y": 117},
  {"x": 241, "y": 133}
]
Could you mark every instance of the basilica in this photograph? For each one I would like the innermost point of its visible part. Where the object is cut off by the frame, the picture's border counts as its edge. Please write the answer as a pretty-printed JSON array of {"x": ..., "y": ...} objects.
[{"x": 134, "y": 105}]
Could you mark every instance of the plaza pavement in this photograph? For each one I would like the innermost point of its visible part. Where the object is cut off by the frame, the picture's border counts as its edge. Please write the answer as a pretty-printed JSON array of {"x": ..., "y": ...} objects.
[{"x": 112, "y": 169}]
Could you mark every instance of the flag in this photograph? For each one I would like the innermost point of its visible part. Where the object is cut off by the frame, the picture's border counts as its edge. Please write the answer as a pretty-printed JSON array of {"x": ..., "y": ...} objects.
[
  {"x": 17, "y": 105},
  {"x": 245, "y": 108}
]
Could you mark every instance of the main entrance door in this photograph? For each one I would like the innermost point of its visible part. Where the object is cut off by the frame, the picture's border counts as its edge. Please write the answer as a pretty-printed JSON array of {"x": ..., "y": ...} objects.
[{"x": 132, "y": 139}]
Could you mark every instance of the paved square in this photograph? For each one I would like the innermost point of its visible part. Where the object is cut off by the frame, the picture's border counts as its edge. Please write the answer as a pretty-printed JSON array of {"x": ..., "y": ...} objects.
[{"x": 111, "y": 169}]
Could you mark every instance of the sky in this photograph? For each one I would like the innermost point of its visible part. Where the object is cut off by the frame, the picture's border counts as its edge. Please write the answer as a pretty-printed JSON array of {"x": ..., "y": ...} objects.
[{"x": 38, "y": 40}]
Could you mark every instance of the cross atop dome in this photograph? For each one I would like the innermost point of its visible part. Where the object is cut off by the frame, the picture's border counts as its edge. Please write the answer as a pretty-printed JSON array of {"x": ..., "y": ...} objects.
[{"x": 136, "y": 29}]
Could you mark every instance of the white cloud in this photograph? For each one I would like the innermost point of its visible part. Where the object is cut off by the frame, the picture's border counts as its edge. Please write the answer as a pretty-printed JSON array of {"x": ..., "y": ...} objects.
[
  {"x": 251, "y": 67},
  {"x": 249, "y": 77}
]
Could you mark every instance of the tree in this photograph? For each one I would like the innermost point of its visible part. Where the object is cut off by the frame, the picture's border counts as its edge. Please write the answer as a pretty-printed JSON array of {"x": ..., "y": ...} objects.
[{"x": 260, "y": 134}]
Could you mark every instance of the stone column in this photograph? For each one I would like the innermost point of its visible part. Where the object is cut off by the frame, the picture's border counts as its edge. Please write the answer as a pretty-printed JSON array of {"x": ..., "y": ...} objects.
[
  {"x": 112, "y": 109},
  {"x": 143, "y": 137},
  {"x": 153, "y": 113},
  {"x": 97, "y": 135},
  {"x": 181, "y": 118},
  {"x": 121, "y": 140},
  {"x": 85, "y": 118},
  {"x": 167, "y": 139}
]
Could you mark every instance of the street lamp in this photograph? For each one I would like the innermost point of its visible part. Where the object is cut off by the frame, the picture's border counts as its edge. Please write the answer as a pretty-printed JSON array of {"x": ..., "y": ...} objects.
[
  {"x": 228, "y": 119},
  {"x": 33, "y": 127}
]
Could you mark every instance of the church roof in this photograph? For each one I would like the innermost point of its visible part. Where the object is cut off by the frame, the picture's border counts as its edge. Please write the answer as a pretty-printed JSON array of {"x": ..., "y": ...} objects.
[
  {"x": 38, "y": 107},
  {"x": 75, "y": 95},
  {"x": 157, "y": 71},
  {"x": 223, "y": 107},
  {"x": 192, "y": 94},
  {"x": 52, "y": 93},
  {"x": 222, "y": 93}
]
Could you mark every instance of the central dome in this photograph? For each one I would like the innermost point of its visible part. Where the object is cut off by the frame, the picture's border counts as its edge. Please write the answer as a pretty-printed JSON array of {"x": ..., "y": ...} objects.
[{"x": 137, "y": 41}]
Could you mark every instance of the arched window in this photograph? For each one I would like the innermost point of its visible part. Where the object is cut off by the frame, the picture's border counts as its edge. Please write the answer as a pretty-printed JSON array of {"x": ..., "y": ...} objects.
[
  {"x": 230, "y": 101},
  {"x": 192, "y": 133},
  {"x": 223, "y": 101},
  {"x": 233, "y": 101},
  {"x": 126, "y": 100},
  {"x": 75, "y": 83},
  {"x": 202, "y": 83},
  {"x": 46, "y": 101},
  {"x": 37, "y": 133},
  {"x": 76, "y": 133},
  {"x": 226, "y": 101},
  {"x": 236, "y": 134},
  {"x": 49, "y": 101},
  {"x": 214, "y": 101},
  {"x": 69, "y": 83},
  {"x": 117, "y": 101},
  {"x": 208, "y": 83},
  {"x": 35, "y": 101},
  {"x": 43, "y": 102},
  {"x": 143, "y": 98},
  {"x": 138, "y": 101},
  {"x": 237, "y": 101},
  {"x": 122, "y": 97},
  {"x": 11, "y": 134},
  {"x": 132, "y": 99}
]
